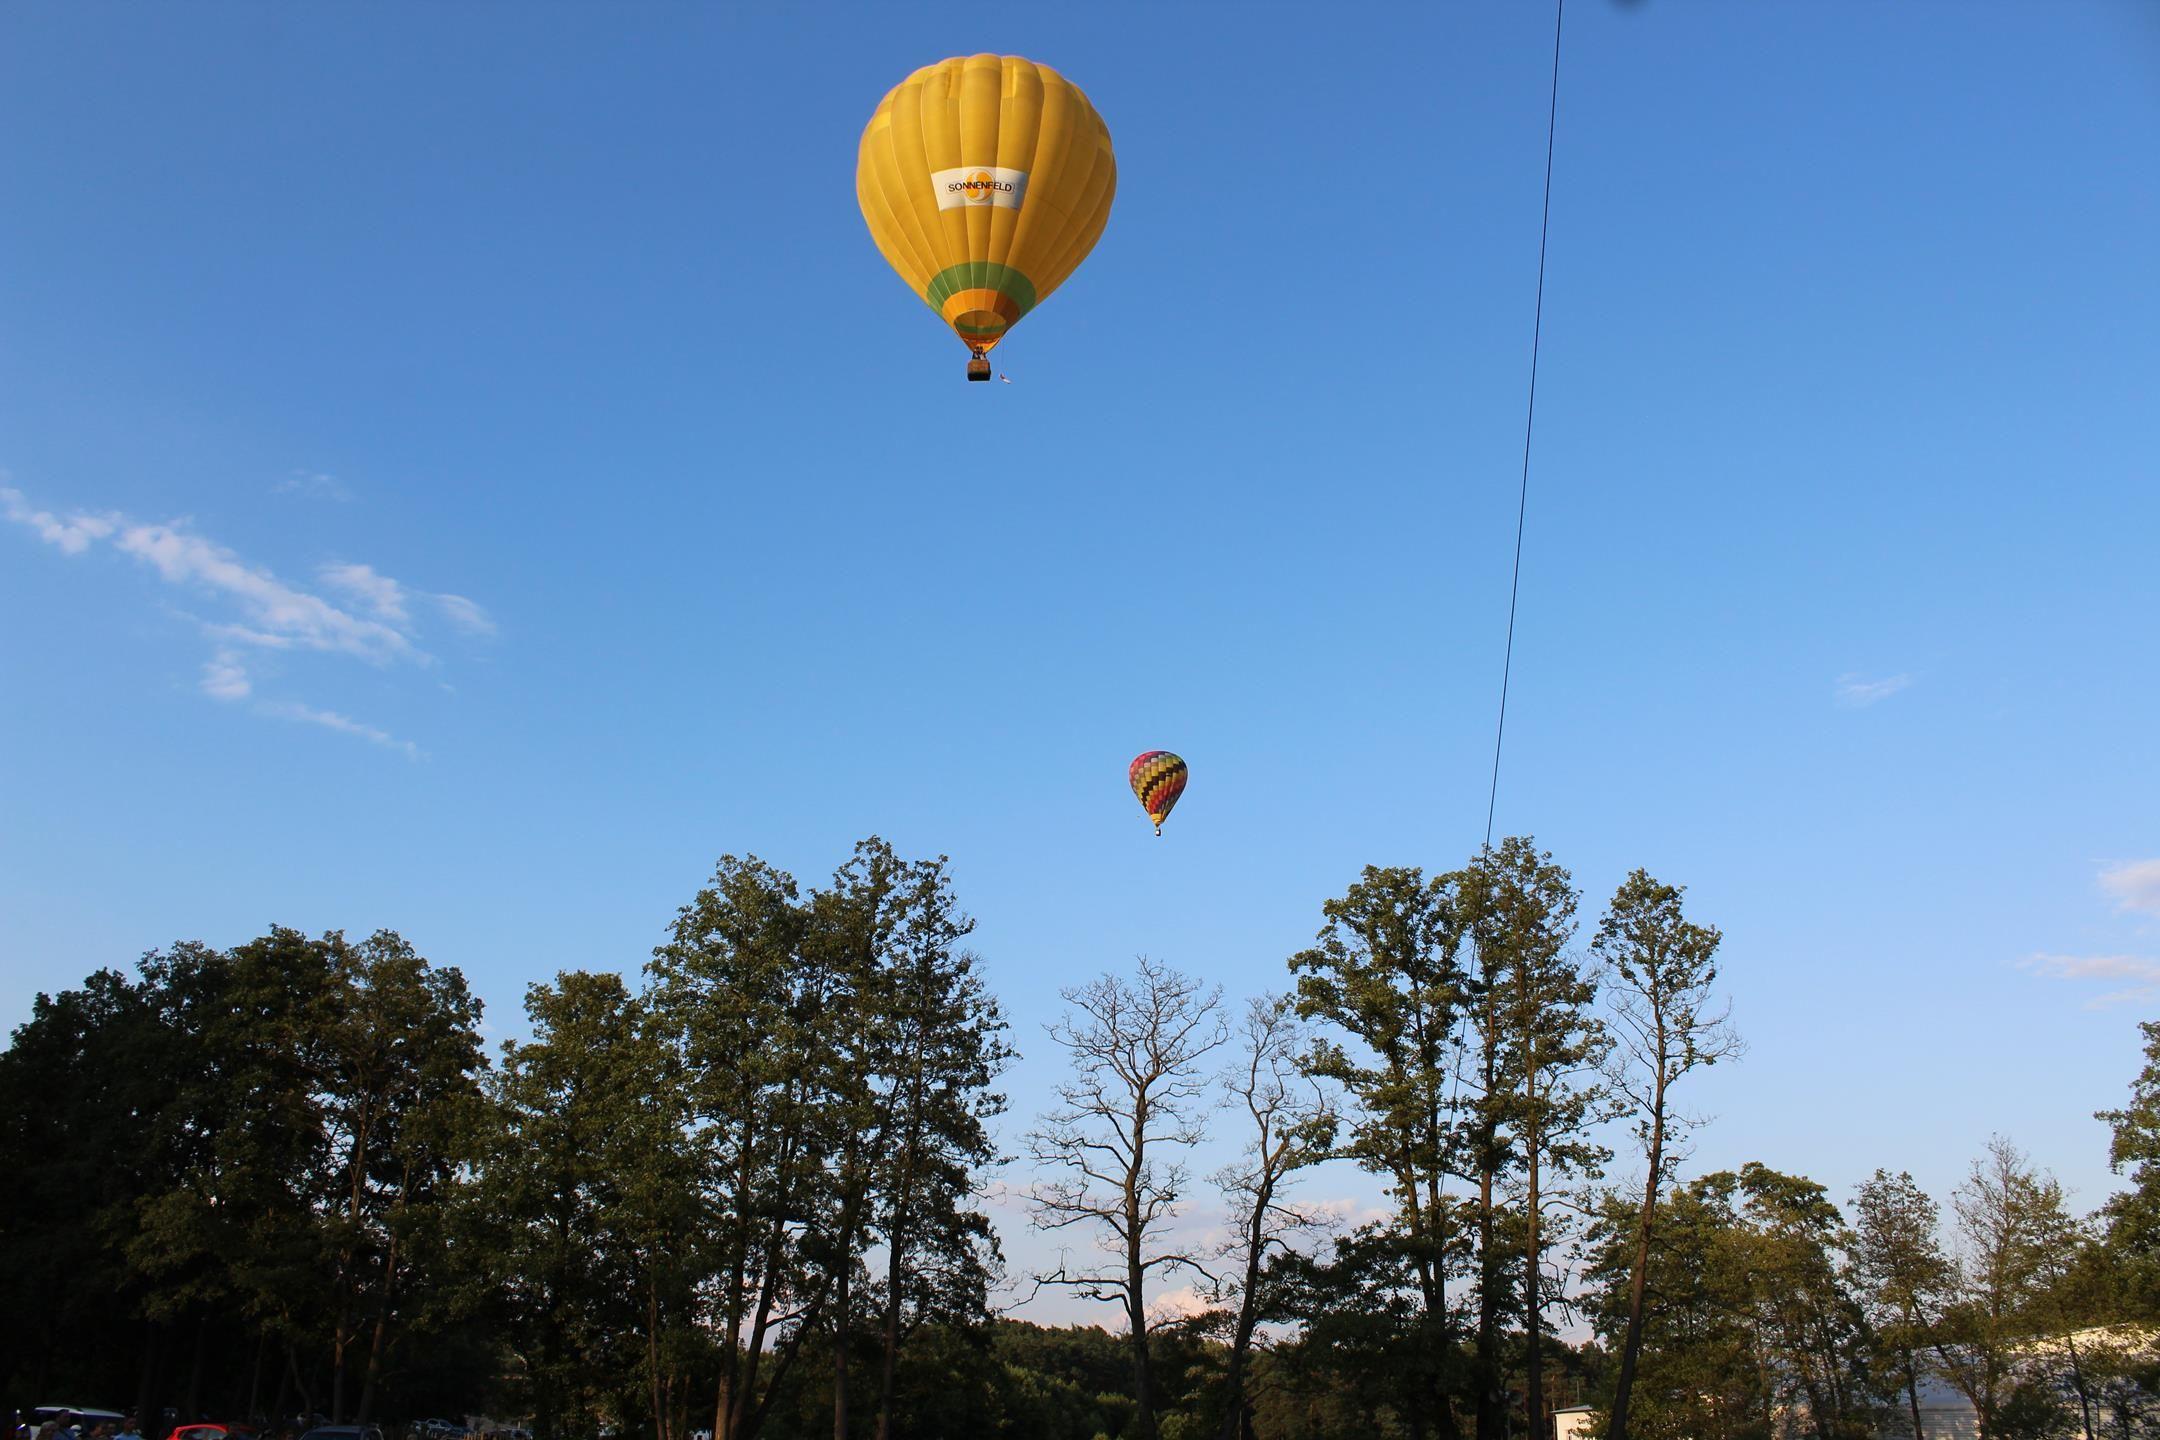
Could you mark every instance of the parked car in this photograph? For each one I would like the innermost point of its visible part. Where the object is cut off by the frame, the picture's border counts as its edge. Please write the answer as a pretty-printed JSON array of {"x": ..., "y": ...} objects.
[
  {"x": 89, "y": 1417},
  {"x": 213, "y": 1430},
  {"x": 344, "y": 1432}
]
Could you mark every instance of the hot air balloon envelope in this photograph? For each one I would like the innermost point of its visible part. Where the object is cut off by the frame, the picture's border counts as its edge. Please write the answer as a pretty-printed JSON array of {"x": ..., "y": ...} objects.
[
  {"x": 1158, "y": 778},
  {"x": 985, "y": 182}
]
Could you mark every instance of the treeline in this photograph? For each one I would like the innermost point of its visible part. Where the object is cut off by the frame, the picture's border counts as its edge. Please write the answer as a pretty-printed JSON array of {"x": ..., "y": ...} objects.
[{"x": 748, "y": 1195}]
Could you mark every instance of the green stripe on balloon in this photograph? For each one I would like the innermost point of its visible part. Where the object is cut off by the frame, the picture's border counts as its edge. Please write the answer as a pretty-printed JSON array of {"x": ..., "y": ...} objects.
[{"x": 980, "y": 275}]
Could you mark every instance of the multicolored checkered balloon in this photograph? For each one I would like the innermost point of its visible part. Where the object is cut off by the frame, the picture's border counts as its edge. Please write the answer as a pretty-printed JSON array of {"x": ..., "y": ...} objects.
[{"x": 1158, "y": 778}]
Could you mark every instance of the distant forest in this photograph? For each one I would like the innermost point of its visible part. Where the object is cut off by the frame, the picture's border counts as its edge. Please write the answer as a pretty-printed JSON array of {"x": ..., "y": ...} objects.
[{"x": 747, "y": 1194}]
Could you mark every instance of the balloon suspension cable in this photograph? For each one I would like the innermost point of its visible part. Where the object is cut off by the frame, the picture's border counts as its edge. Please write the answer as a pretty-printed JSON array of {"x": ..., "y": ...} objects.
[
  {"x": 1522, "y": 495},
  {"x": 1522, "y": 507}
]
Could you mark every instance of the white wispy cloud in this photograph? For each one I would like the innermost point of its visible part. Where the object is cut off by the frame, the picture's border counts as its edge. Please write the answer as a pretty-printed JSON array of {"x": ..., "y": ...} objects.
[
  {"x": 313, "y": 484},
  {"x": 344, "y": 725},
  {"x": 376, "y": 624},
  {"x": 225, "y": 678},
  {"x": 392, "y": 602},
  {"x": 466, "y": 615},
  {"x": 380, "y": 593},
  {"x": 73, "y": 535},
  {"x": 1854, "y": 692},
  {"x": 2135, "y": 884},
  {"x": 2143, "y": 971},
  {"x": 279, "y": 615}
]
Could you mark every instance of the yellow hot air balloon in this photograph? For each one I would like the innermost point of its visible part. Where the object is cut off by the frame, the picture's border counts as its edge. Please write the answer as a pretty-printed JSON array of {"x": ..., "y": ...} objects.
[{"x": 985, "y": 182}]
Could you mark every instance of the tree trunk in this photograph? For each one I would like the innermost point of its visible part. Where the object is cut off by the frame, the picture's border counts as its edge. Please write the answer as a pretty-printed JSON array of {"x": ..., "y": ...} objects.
[
  {"x": 1912, "y": 1394},
  {"x": 1143, "y": 1371},
  {"x": 382, "y": 1306},
  {"x": 652, "y": 1356},
  {"x": 724, "y": 1403},
  {"x": 192, "y": 1409},
  {"x": 2077, "y": 1380},
  {"x": 1534, "y": 1378},
  {"x": 373, "y": 1373},
  {"x": 843, "y": 1320},
  {"x": 254, "y": 1400},
  {"x": 284, "y": 1392},
  {"x": 146, "y": 1392},
  {"x": 307, "y": 1394},
  {"x": 1639, "y": 1277},
  {"x": 888, "y": 1363},
  {"x": 340, "y": 1336},
  {"x": 1492, "y": 1280},
  {"x": 1237, "y": 1417},
  {"x": 1136, "y": 1277},
  {"x": 1433, "y": 1354}
]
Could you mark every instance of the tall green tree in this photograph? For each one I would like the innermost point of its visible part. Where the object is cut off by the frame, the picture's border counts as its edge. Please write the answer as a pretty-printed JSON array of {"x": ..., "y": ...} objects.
[
  {"x": 1806, "y": 1305},
  {"x": 268, "y": 1136},
  {"x": 848, "y": 931},
  {"x": 1701, "y": 1374},
  {"x": 585, "y": 1205},
  {"x": 1522, "y": 917},
  {"x": 1667, "y": 1024},
  {"x": 82, "y": 1087},
  {"x": 1753, "y": 1329},
  {"x": 242, "y": 1119},
  {"x": 942, "y": 1048},
  {"x": 2015, "y": 1242},
  {"x": 1385, "y": 974},
  {"x": 748, "y": 1008},
  {"x": 400, "y": 1058},
  {"x": 1358, "y": 1312},
  {"x": 2132, "y": 1217},
  {"x": 1112, "y": 1149},
  {"x": 1905, "y": 1277},
  {"x": 915, "y": 1043}
]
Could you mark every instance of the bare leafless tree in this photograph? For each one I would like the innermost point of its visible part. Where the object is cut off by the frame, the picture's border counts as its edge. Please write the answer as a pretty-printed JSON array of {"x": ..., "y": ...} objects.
[
  {"x": 1291, "y": 1125},
  {"x": 1112, "y": 1146}
]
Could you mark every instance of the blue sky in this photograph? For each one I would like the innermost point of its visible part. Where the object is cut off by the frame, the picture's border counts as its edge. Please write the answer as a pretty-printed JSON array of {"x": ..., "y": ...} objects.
[{"x": 1839, "y": 598}]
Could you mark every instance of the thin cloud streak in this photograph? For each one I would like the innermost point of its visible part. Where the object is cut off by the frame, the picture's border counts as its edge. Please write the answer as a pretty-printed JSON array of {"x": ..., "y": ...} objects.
[
  {"x": 1855, "y": 693},
  {"x": 344, "y": 725},
  {"x": 2143, "y": 970},
  {"x": 313, "y": 485},
  {"x": 2135, "y": 884},
  {"x": 466, "y": 615}
]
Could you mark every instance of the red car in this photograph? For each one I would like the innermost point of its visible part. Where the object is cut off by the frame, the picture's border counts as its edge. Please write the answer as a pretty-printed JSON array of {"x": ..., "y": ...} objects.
[{"x": 212, "y": 1430}]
